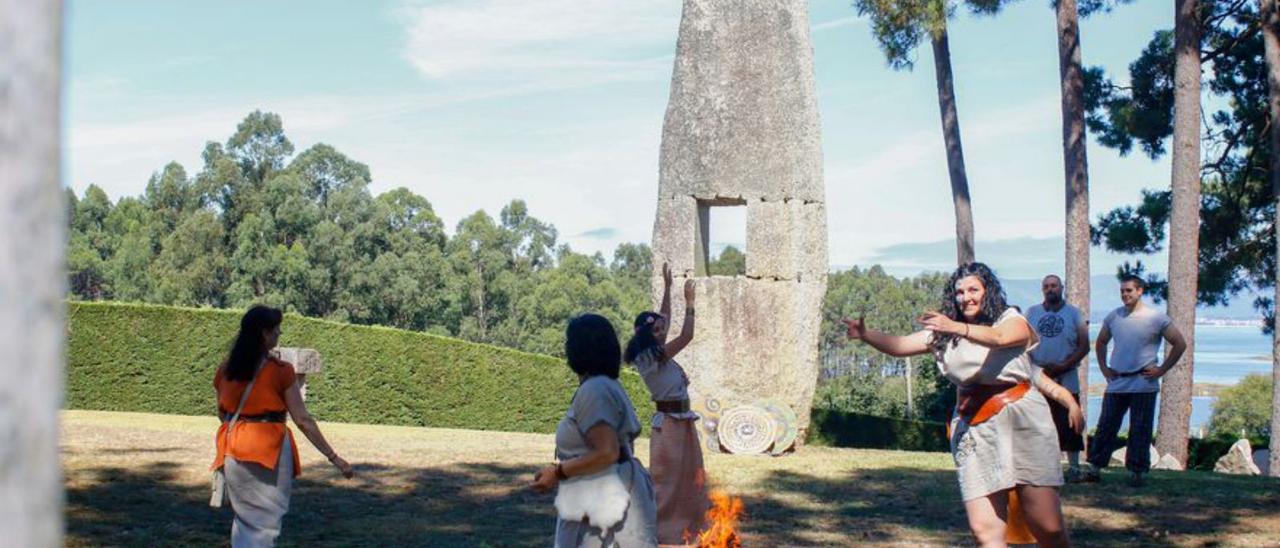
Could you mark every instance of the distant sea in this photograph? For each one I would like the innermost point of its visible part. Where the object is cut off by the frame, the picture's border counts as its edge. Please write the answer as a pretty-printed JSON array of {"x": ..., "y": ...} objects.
[{"x": 1223, "y": 355}]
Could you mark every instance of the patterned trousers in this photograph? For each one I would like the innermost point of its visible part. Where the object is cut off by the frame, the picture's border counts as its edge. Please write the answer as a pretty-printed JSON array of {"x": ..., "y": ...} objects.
[{"x": 1141, "y": 407}]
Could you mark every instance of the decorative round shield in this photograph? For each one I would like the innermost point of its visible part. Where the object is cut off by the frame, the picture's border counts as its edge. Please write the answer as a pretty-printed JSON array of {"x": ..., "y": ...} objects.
[
  {"x": 708, "y": 410},
  {"x": 746, "y": 430},
  {"x": 785, "y": 419}
]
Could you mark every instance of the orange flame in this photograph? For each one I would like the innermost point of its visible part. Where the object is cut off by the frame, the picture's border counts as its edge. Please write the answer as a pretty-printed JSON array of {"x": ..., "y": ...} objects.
[{"x": 721, "y": 523}]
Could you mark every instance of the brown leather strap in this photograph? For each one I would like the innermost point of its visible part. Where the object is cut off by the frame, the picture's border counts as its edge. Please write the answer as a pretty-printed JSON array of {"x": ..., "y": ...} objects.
[
  {"x": 277, "y": 416},
  {"x": 979, "y": 403},
  {"x": 672, "y": 406}
]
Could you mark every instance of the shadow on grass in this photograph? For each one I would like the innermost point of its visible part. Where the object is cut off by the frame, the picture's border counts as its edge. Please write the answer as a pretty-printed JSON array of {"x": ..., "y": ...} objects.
[
  {"x": 465, "y": 505},
  {"x": 486, "y": 504},
  {"x": 1175, "y": 506},
  {"x": 915, "y": 505}
]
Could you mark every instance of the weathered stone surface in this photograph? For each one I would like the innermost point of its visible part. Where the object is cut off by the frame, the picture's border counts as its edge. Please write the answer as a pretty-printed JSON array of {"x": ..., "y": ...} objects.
[
  {"x": 753, "y": 340},
  {"x": 1168, "y": 462},
  {"x": 304, "y": 360},
  {"x": 1262, "y": 459},
  {"x": 33, "y": 279},
  {"x": 1118, "y": 456},
  {"x": 677, "y": 236},
  {"x": 786, "y": 240},
  {"x": 742, "y": 129},
  {"x": 742, "y": 121},
  {"x": 1238, "y": 460}
]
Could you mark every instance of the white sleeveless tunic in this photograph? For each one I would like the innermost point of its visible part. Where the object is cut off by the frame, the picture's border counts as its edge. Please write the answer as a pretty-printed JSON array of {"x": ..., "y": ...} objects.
[{"x": 1018, "y": 446}]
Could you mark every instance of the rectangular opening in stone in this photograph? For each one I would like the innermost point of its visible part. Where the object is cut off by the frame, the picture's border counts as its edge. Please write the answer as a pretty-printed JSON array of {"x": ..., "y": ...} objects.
[{"x": 721, "y": 238}]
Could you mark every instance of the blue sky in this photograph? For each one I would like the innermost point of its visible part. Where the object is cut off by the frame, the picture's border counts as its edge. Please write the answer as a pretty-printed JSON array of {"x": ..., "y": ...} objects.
[{"x": 472, "y": 103}]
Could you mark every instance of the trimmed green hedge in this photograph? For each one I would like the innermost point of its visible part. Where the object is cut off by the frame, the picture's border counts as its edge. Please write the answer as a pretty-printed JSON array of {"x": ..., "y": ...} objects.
[
  {"x": 159, "y": 359},
  {"x": 842, "y": 429}
]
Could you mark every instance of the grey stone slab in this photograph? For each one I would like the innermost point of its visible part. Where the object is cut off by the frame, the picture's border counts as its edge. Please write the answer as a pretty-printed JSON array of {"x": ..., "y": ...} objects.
[
  {"x": 742, "y": 120},
  {"x": 786, "y": 240}
]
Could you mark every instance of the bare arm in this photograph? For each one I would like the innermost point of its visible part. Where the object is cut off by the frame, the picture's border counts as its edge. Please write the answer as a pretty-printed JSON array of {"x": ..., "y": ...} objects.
[
  {"x": 1100, "y": 352},
  {"x": 602, "y": 441},
  {"x": 307, "y": 424},
  {"x": 1177, "y": 347},
  {"x": 665, "y": 310},
  {"x": 1047, "y": 386},
  {"x": 1003, "y": 335},
  {"x": 674, "y": 346},
  {"x": 892, "y": 345},
  {"x": 1073, "y": 361}
]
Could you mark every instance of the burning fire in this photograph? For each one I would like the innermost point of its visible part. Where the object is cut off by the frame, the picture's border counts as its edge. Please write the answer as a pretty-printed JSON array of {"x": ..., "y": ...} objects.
[{"x": 721, "y": 523}]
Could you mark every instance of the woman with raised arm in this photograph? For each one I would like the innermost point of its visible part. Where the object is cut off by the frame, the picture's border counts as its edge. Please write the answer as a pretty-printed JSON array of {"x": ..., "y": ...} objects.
[
  {"x": 1002, "y": 435},
  {"x": 675, "y": 456},
  {"x": 255, "y": 450}
]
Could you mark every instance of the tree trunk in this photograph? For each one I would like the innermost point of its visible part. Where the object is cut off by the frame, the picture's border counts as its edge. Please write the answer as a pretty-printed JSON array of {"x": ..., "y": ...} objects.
[
  {"x": 1271, "y": 43},
  {"x": 1184, "y": 228},
  {"x": 1076, "y": 165},
  {"x": 955, "y": 153},
  {"x": 32, "y": 272}
]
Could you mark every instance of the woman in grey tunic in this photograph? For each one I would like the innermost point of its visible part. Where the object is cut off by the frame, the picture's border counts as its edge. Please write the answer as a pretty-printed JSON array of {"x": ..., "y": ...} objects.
[
  {"x": 981, "y": 345},
  {"x": 597, "y": 433}
]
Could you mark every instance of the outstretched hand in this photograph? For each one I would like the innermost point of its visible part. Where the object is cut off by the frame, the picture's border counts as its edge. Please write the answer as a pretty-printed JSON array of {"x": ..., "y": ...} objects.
[
  {"x": 666, "y": 275},
  {"x": 938, "y": 323},
  {"x": 344, "y": 467},
  {"x": 689, "y": 293},
  {"x": 855, "y": 330}
]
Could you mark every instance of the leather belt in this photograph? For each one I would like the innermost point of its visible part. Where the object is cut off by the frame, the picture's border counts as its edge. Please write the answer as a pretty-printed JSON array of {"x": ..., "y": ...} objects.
[
  {"x": 277, "y": 416},
  {"x": 672, "y": 406},
  {"x": 978, "y": 403}
]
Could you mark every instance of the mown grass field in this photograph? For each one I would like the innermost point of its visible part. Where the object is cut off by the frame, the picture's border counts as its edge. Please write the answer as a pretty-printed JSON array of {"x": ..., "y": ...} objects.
[{"x": 137, "y": 479}]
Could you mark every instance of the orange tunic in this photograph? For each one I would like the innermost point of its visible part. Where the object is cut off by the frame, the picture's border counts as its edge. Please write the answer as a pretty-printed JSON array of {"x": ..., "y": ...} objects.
[{"x": 257, "y": 442}]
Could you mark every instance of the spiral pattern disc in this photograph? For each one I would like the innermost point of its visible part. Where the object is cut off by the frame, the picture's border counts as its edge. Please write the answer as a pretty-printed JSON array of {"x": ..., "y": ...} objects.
[
  {"x": 746, "y": 430},
  {"x": 785, "y": 419}
]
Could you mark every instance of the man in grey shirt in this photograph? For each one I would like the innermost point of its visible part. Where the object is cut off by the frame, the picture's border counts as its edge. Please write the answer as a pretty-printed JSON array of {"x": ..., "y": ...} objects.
[
  {"x": 1133, "y": 378},
  {"x": 1064, "y": 341}
]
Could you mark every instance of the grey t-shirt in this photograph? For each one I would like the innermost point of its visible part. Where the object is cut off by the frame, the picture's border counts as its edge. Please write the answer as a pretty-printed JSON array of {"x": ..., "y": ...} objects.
[
  {"x": 598, "y": 400},
  {"x": 1135, "y": 345},
  {"x": 1059, "y": 334}
]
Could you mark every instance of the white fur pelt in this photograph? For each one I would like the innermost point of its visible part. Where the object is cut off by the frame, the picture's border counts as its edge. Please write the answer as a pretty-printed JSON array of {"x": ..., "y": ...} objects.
[{"x": 600, "y": 498}]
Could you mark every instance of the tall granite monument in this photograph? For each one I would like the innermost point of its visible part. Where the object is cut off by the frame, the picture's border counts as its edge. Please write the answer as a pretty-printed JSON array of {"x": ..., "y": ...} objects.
[{"x": 742, "y": 130}]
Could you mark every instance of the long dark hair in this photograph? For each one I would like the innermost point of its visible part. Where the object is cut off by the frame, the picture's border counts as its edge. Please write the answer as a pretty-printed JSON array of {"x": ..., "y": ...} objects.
[
  {"x": 994, "y": 302},
  {"x": 642, "y": 339},
  {"x": 591, "y": 347},
  {"x": 247, "y": 350}
]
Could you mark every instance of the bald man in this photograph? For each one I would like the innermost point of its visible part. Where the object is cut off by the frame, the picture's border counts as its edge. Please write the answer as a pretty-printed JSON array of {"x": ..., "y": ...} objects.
[{"x": 1064, "y": 341}]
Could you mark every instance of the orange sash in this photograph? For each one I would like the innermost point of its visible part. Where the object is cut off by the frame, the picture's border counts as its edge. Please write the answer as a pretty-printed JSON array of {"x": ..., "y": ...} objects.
[{"x": 978, "y": 404}]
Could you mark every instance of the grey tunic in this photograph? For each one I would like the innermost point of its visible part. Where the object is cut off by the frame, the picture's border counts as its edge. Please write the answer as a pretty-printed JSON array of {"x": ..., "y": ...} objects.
[
  {"x": 1018, "y": 446},
  {"x": 603, "y": 400}
]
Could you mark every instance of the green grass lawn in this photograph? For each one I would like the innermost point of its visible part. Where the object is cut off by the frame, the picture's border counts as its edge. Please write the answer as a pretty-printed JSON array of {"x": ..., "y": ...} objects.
[{"x": 141, "y": 480}]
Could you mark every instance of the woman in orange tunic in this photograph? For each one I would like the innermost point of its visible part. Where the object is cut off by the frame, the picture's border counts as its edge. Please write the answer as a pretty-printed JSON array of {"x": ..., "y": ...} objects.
[{"x": 259, "y": 456}]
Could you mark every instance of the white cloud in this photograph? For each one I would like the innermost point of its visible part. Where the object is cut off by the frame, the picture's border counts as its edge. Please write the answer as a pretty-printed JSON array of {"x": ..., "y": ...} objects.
[
  {"x": 577, "y": 41},
  {"x": 906, "y": 179},
  {"x": 841, "y": 22}
]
